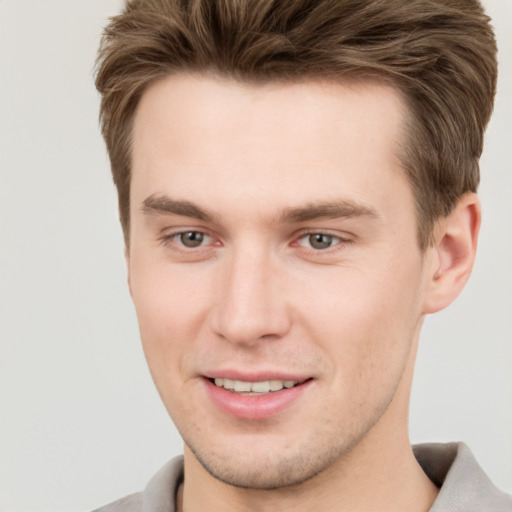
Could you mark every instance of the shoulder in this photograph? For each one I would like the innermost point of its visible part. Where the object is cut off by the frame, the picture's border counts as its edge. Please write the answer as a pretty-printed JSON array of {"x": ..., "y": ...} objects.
[
  {"x": 159, "y": 494},
  {"x": 464, "y": 486},
  {"x": 131, "y": 503}
]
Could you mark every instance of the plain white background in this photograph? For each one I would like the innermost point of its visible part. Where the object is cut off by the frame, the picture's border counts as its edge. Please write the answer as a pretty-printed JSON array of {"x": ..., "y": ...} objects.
[{"x": 81, "y": 423}]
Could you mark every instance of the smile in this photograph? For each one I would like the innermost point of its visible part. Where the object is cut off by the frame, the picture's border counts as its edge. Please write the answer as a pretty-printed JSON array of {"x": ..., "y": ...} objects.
[
  {"x": 254, "y": 388},
  {"x": 255, "y": 400}
]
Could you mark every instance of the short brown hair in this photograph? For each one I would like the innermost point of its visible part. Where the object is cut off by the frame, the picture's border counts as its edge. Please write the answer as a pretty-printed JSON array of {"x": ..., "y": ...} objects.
[{"x": 441, "y": 54}]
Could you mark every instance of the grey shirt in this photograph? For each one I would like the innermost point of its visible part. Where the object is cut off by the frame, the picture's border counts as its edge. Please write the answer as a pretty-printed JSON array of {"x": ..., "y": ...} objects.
[{"x": 464, "y": 485}]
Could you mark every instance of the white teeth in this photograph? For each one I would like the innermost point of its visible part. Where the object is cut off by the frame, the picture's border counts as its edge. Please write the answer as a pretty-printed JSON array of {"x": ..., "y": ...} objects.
[
  {"x": 241, "y": 386},
  {"x": 262, "y": 387},
  {"x": 275, "y": 385}
]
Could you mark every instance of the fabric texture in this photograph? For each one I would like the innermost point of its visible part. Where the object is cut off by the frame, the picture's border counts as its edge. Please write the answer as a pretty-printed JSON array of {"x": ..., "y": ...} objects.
[{"x": 464, "y": 485}]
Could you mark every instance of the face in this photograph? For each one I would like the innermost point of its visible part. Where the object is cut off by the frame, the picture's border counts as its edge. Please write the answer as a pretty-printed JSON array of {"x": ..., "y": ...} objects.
[{"x": 274, "y": 268}]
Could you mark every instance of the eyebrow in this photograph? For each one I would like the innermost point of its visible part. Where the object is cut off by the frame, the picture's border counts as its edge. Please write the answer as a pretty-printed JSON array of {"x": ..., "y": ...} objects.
[
  {"x": 341, "y": 208},
  {"x": 166, "y": 206}
]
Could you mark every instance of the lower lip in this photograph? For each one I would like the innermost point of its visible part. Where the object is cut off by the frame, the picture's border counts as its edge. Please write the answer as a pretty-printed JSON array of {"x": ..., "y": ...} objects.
[{"x": 255, "y": 407}]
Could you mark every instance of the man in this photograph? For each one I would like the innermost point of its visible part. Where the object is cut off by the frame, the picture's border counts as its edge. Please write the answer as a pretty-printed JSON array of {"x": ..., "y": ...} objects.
[{"x": 297, "y": 189}]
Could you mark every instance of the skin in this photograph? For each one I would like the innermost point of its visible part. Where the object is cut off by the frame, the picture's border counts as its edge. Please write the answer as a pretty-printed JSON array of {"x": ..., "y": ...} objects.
[{"x": 256, "y": 169}]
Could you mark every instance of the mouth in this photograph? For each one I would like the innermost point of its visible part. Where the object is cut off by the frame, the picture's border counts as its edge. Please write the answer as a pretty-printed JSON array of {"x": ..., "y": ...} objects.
[
  {"x": 256, "y": 399},
  {"x": 255, "y": 388}
]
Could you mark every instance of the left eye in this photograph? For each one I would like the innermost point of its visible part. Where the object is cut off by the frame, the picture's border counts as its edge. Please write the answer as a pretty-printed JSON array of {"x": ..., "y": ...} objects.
[
  {"x": 319, "y": 241},
  {"x": 191, "y": 239}
]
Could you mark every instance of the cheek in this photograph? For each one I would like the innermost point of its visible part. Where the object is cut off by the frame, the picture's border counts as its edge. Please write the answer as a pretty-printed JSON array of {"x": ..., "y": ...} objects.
[
  {"x": 170, "y": 311},
  {"x": 169, "y": 324},
  {"x": 365, "y": 322},
  {"x": 166, "y": 296}
]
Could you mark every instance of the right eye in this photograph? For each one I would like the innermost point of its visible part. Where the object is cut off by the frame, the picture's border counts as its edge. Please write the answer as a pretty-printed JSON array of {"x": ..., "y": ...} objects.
[
  {"x": 191, "y": 239},
  {"x": 319, "y": 241}
]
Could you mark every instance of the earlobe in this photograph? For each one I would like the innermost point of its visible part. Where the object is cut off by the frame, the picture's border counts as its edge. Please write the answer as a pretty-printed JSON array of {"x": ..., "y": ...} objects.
[{"x": 453, "y": 253}]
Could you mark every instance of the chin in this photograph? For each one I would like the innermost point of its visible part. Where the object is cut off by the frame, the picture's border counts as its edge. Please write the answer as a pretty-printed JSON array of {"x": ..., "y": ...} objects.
[
  {"x": 266, "y": 468},
  {"x": 267, "y": 474}
]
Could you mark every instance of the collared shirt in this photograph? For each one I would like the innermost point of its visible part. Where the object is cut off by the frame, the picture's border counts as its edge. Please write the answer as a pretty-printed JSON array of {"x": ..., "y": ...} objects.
[{"x": 464, "y": 487}]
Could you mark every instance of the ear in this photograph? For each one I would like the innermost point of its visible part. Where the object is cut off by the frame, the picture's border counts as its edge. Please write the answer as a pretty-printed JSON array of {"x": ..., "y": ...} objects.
[
  {"x": 453, "y": 253},
  {"x": 127, "y": 261}
]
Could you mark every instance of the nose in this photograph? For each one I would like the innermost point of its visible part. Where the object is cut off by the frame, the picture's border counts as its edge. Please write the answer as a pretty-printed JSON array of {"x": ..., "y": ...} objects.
[{"x": 251, "y": 301}]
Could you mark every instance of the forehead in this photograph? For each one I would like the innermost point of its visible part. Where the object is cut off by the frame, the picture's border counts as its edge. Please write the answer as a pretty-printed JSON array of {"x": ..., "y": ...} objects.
[{"x": 207, "y": 138}]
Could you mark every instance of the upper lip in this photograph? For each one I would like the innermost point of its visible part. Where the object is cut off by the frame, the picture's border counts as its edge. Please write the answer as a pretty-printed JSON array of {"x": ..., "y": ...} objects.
[{"x": 255, "y": 376}]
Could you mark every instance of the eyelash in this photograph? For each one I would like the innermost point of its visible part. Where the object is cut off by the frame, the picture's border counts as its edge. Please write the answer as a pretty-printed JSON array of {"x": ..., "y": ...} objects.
[
  {"x": 179, "y": 245},
  {"x": 339, "y": 241},
  {"x": 174, "y": 237}
]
